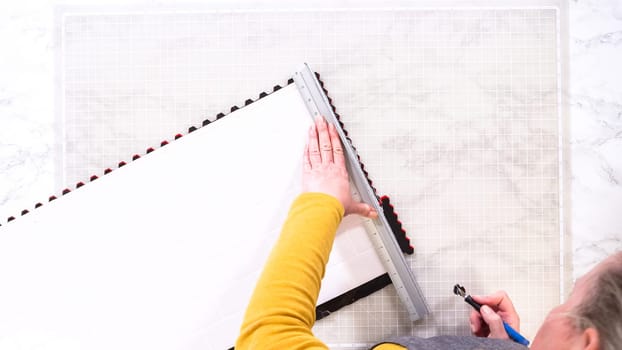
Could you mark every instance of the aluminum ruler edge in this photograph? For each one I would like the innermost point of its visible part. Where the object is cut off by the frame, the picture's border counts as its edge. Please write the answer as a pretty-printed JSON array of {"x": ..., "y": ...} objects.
[{"x": 378, "y": 229}]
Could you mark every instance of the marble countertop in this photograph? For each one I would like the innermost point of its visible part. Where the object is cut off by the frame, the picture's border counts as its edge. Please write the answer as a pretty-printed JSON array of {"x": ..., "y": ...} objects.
[
  {"x": 595, "y": 98},
  {"x": 30, "y": 148}
]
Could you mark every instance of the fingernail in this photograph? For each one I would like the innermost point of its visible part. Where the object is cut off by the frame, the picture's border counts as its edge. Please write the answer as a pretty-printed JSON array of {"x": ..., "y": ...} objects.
[
  {"x": 485, "y": 309},
  {"x": 373, "y": 213},
  {"x": 472, "y": 328}
]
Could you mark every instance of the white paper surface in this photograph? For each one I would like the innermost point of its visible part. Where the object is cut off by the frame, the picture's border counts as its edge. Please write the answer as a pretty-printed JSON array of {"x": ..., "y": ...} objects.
[{"x": 165, "y": 252}]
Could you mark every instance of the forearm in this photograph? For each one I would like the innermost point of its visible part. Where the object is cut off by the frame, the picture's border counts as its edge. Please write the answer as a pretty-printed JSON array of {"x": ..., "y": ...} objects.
[{"x": 281, "y": 311}]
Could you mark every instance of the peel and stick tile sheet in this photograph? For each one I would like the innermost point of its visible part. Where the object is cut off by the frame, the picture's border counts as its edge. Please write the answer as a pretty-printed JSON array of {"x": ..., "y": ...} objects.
[{"x": 164, "y": 252}]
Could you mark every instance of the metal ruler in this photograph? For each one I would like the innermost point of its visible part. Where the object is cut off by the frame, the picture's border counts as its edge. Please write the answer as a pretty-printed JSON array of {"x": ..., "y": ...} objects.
[{"x": 379, "y": 231}]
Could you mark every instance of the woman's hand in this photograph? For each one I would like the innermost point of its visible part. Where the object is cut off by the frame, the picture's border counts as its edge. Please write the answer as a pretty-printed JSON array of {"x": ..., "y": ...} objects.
[
  {"x": 324, "y": 168},
  {"x": 496, "y": 308}
]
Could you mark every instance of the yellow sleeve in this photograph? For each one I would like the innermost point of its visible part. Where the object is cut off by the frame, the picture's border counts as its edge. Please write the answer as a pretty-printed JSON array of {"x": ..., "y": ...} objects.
[
  {"x": 281, "y": 311},
  {"x": 388, "y": 346}
]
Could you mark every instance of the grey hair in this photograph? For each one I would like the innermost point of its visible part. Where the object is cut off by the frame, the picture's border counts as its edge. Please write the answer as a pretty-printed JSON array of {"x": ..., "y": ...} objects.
[{"x": 602, "y": 309}]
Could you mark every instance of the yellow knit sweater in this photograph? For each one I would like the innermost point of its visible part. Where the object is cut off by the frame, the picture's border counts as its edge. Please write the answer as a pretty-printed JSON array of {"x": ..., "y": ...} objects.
[{"x": 281, "y": 311}]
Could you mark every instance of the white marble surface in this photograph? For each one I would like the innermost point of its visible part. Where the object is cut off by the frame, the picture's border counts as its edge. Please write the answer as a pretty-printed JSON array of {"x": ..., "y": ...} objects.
[
  {"x": 29, "y": 147},
  {"x": 595, "y": 97}
]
